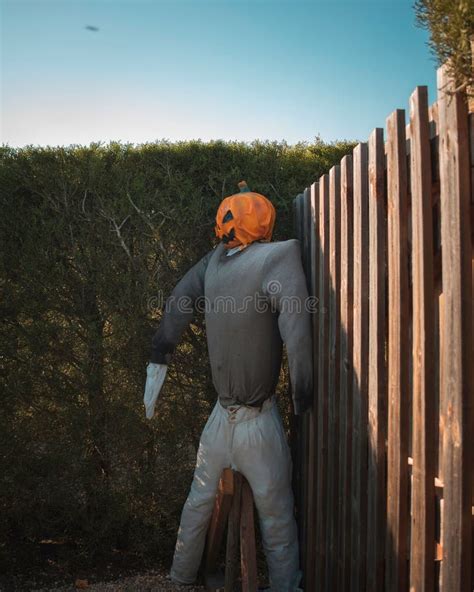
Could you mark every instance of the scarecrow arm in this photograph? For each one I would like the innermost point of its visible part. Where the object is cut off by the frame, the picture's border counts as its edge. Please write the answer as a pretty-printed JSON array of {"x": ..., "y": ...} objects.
[
  {"x": 179, "y": 311},
  {"x": 285, "y": 286}
]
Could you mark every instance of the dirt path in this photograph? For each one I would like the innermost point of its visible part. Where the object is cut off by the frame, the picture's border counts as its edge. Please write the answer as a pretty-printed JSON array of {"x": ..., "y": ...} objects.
[{"x": 151, "y": 581}]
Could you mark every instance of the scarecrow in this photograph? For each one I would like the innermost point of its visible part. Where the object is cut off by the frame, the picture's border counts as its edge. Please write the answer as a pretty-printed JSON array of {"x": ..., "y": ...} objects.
[{"x": 254, "y": 294}]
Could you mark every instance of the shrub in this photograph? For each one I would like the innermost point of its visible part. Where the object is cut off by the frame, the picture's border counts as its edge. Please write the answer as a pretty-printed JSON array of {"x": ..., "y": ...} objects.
[{"x": 89, "y": 236}]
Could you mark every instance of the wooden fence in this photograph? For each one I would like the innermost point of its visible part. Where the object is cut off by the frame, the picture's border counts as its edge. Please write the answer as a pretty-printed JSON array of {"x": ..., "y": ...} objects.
[{"x": 384, "y": 461}]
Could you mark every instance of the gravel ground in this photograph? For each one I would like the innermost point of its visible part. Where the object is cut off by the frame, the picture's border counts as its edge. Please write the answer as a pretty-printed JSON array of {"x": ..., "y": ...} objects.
[{"x": 151, "y": 581}]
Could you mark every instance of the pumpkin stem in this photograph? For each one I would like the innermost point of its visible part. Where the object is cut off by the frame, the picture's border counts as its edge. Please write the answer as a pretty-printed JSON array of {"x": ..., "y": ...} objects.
[{"x": 244, "y": 188}]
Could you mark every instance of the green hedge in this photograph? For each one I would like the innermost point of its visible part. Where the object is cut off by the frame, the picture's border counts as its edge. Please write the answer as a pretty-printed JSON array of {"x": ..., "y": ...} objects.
[{"x": 90, "y": 238}]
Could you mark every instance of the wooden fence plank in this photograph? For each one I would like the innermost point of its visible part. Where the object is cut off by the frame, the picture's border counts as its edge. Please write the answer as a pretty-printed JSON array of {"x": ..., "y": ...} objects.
[
  {"x": 398, "y": 379},
  {"x": 248, "y": 553},
  {"x": 376, "y": 485},
  {"x": 322, "y": 380},
  {"x": 333, "y": 376},
  {"x": 388, "y": 387},
  {"x": 439, "y": 310},
  {"x": 304, "y": 420},
  {"x": 346, "y": 378},
  {"x": 219, "y": 517},
  {"x": 360, "y": 375},
  {"x": 457, "y": 362},
  {"x": 310, "y": 573},
  {"x": 298, "y": 427},
  {"x": 233, "y": 535},
  {"x": 423, "y": 433},
  {"x": 471, "y": 144}
]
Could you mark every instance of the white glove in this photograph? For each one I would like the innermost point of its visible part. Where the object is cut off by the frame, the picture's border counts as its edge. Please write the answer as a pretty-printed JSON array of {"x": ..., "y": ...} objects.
[{"x": 155, "y": 377}]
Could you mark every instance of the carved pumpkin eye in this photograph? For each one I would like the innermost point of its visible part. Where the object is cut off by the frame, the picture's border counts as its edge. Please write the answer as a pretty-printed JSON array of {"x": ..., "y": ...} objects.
[{"x": 228, "y": 216}]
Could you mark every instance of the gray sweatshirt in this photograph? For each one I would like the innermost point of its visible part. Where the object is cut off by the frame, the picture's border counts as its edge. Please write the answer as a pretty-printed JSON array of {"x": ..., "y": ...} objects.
[{"x": 253, "y": 301}]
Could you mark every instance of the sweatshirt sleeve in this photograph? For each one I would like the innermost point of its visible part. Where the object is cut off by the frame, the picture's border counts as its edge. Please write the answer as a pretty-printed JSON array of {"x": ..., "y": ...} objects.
[
  {"x": 284, "y": 285},
  {"x": 179, "y": 311}
]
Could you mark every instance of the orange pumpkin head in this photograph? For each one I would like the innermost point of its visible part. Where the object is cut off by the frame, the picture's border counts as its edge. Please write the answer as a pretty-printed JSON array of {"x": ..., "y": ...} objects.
[{"x": 244, "y": 218}]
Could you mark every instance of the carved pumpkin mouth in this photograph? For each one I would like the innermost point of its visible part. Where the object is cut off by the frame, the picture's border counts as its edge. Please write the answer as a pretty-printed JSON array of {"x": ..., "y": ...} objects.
[
  {"x": 227, "y": 238},
  {"x": 244, "y": 218}
]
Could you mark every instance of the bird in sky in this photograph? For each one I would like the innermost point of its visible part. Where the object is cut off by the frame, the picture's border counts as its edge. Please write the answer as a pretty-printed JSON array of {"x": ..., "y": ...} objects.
[{"x": 91, "y": 28}]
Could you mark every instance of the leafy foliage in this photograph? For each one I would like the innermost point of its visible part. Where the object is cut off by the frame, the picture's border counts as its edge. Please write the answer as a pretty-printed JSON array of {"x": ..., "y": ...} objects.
[
  {"x": 91, "y": 236},
  {"x": 451, "y": 26}
]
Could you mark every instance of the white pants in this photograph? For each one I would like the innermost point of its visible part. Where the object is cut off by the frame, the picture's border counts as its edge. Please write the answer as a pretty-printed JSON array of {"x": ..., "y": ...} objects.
[{"x": 252, "y": 442}]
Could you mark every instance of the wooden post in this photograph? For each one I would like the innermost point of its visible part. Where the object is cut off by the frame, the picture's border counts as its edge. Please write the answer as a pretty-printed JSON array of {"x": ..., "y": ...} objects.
[
  {"x": 346, "y": 378},
  {"x": 333, "y": 376},
  {"x": 235, "y": 501},
  {"x": 233, "y": 533},
  {"x": 423, "y": 433},
  {"x": 376, "y": 484},
  {"x": 305, "y": 420},
  {"x": 457, "y": 361},
  {"x": 471, "y": 89},
  {"x": 309, "y": 572},
  {"x": 322, "y": 380},
  {"x": 219, "y": 518},
  {"x": 360, "y": 374},
  {"x": 248, "y": 554},
  {"x": 398, "y": 319},
  {"x": 300, "y": 422}
]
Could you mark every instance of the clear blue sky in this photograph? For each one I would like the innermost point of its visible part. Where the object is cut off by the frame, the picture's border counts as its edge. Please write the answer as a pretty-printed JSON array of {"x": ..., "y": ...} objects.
[{"x": 229, "y": 69}]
